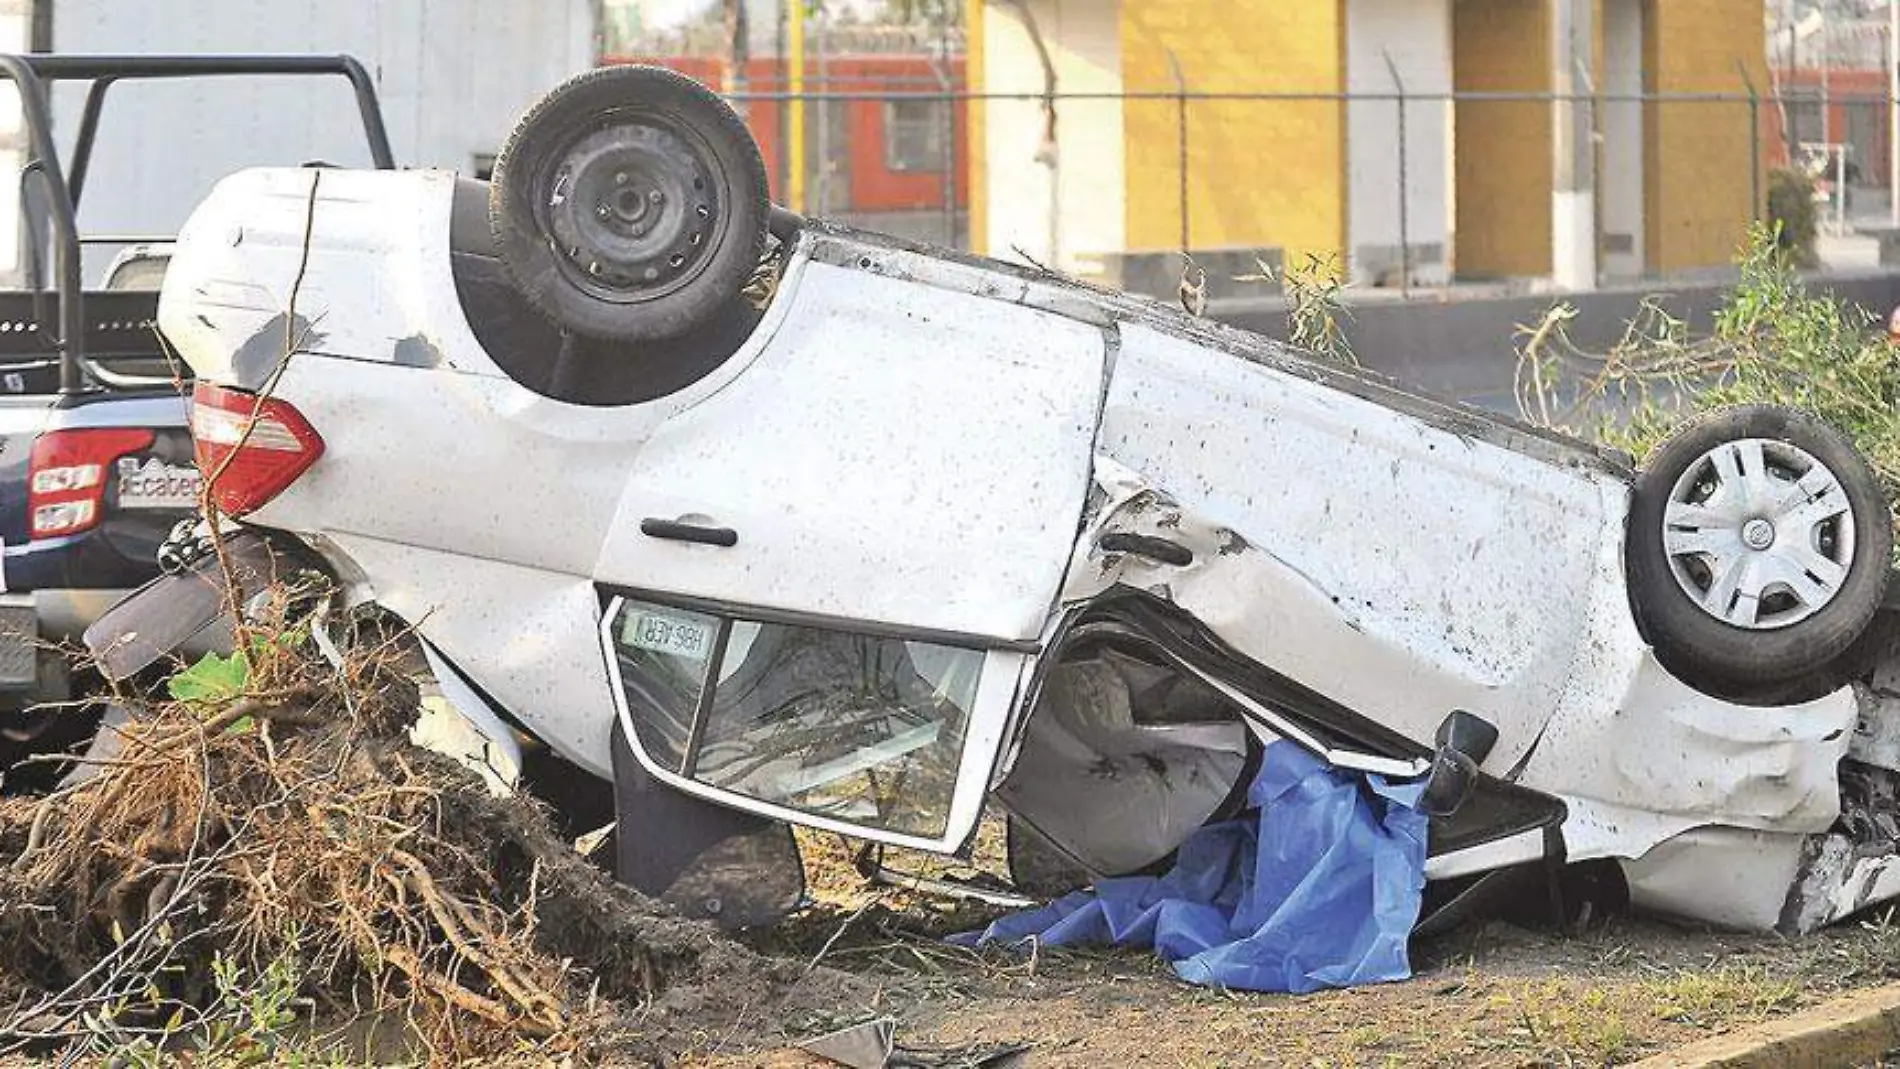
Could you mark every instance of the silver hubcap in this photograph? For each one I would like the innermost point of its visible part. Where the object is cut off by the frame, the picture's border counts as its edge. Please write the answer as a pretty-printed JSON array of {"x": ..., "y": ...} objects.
[{"x": 1759, "y": 534}]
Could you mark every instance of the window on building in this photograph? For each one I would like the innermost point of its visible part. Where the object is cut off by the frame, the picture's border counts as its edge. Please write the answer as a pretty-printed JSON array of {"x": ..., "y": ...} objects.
[
  {"x": 1803, "y": 111},
  {"x": 916, "y": 135}
]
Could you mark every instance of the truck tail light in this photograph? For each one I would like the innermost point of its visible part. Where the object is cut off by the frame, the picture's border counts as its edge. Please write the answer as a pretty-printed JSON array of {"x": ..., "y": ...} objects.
[
  {"x": 66, "y": 487},
  {"x": 250, "y": 448}
]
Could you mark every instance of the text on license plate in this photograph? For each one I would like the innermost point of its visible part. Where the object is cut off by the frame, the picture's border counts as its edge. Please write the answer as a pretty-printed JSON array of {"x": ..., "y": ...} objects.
[
  {"x": 155, "y": 484},
  {"x": 661, "y": 633}
]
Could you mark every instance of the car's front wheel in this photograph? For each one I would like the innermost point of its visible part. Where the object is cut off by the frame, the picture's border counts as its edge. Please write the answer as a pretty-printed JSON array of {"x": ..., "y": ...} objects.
[{"x": 1758, "y": 549}]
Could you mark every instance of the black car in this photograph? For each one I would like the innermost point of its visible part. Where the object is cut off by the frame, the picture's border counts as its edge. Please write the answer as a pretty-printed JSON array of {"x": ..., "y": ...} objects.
[{"x": 96, "y": 460}]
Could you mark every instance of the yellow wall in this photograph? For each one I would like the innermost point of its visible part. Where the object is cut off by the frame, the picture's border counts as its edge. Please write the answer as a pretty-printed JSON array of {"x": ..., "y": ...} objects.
[
  {"x": 1697, "y": 175},
  {"x": 1273, "y": 173},
  {"x": 1260, "y": 173},
  {"x": 1503, "y": 148}
]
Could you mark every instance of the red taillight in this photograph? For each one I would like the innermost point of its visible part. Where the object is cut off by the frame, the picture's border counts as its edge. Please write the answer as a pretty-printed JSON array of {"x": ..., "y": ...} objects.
[
  {"x": 66, "y": 479},
  {"x": 250, "y": 448}
]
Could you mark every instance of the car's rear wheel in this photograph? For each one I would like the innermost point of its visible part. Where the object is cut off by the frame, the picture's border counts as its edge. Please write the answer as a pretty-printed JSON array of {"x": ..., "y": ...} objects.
[
  {"x": 630, "y": 204},
  {"x": 1758, "y": 549}
]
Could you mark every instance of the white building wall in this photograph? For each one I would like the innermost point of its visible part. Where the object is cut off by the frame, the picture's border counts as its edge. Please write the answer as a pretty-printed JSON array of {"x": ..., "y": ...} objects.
[
  {"x": 1416, "y": 36},
  {"x": 15, "y": 36},
  {"x": 454, "y": 75},
  {"x": 1622, "y": 176},
  {"x": 1087, "y": 216}
]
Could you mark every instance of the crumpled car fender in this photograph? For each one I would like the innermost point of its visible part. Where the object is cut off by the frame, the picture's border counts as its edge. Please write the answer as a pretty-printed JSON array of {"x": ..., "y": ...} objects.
[{"x": 1641, "y": 755}]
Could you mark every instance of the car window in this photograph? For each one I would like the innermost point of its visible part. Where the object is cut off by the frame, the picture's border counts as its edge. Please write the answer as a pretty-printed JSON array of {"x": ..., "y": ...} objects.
[
  {"x": 859, "y": 728},
  {"x": 138, "y": 273}
]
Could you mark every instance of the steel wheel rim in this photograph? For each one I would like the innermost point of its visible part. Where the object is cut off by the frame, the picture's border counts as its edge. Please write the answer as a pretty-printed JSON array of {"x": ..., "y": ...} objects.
[
  {"x": 1759, "y": 534},
  {"x": 633, "y": 208}
]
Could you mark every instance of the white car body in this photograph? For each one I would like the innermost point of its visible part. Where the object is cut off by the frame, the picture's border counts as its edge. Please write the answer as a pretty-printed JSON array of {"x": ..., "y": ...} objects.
[{"x": 929, "y": 445}]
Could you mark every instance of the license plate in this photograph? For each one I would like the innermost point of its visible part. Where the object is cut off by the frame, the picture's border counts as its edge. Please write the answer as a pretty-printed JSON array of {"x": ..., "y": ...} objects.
[
  {"x": 155, "y": 484},
  {"x": 678, "y": 635}
]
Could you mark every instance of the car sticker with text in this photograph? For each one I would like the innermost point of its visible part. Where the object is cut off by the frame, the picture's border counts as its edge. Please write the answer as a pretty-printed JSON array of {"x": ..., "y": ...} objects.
[{"x": 154, "y": 484}]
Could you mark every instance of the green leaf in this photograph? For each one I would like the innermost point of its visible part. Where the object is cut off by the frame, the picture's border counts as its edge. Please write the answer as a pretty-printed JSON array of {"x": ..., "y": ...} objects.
[
  {"x": 213, "y": 679},
  {"x": 287, "y": 641}
]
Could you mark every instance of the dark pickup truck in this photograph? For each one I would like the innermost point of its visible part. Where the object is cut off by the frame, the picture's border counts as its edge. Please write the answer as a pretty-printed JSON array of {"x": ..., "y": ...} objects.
[{"x": 96, "y": 461}]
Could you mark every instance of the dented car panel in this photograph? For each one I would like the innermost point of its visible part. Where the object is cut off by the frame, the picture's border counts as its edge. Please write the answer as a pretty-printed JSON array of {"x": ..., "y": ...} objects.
[
  {"x": 941, "y": 530},
  {"x": 802, "y": 458}
]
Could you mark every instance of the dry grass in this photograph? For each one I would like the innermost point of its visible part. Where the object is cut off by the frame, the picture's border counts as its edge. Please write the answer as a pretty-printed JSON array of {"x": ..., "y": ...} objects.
[{"x": 1486, "y": 995}]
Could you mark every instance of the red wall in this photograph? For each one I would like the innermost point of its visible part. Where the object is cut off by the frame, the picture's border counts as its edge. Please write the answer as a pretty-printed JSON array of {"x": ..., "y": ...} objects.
[
  {"x": 1858, "y": 90},
  {"x": 871, "y": 185}
]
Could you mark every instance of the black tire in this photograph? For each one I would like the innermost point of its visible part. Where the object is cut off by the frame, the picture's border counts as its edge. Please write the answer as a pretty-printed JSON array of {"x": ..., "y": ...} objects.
[
  {"x": 679, "y": 196},
  {"x": 1761, "y": 662}
]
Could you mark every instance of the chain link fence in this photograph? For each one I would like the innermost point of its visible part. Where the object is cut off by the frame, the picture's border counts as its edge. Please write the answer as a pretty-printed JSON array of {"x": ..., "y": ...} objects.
[{"x": 1408, "y": 188}]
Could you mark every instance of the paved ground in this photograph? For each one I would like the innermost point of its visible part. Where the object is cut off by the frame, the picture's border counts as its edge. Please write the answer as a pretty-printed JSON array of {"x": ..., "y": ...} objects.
[{"x": 1466, "y": 347}]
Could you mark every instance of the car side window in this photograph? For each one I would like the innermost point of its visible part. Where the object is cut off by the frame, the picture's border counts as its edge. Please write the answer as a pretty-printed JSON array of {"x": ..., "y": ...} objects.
[{"x": 860, "y": 728}]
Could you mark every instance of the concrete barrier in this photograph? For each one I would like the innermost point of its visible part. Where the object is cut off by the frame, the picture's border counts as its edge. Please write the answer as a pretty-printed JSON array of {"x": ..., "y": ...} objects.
[{"x": 1466, "y": 347}]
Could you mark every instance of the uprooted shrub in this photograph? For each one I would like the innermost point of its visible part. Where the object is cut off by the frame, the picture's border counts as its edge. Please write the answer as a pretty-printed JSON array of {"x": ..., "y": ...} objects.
[
  {"x": 1774, "y": 341},
  {"x": 266, "y": 829}
]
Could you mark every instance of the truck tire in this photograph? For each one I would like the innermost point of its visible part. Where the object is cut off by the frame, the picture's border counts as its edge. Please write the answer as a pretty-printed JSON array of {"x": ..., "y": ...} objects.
[
  {"x": 1758, "y": 549},
  {"x": 630, "y": 204}
]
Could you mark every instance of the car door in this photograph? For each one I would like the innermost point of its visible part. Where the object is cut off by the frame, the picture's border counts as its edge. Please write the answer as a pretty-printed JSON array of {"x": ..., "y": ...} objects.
[{"x": 825, "y": 580}]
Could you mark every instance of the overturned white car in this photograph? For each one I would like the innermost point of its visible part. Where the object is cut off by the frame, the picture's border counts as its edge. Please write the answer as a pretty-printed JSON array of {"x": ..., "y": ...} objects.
[{"x": 875, "y": 535}]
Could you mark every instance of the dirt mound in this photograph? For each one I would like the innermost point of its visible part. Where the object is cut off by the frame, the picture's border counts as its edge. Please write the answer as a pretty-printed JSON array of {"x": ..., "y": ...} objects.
[{"x": 270, "y": 821}]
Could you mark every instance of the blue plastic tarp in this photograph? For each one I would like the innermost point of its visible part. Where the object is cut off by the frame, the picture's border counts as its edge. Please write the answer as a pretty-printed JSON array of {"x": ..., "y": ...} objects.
[{"x": 1317, "y": 885}]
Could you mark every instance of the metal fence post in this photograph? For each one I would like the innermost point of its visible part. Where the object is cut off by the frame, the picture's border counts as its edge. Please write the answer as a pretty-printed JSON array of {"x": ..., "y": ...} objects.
[
  {"x": 1405, "y": 227},
  {"x": 950, "y": 126},
  {"x": 1181, "y": 170},
  {"x": 795, "y": 103},
  {"x": 1840, "y": 189},
  {"x": 1593, "y": 119},
  {"x": 1893, "y": 113},
  {"x": 947, "y": 186},
  {"x": 1754, "y": 144},
  {"x": 950, "y": 222}
]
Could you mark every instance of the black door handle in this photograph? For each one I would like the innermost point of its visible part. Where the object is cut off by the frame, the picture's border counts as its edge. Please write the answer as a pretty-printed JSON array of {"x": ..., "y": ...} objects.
[
  {"x": 675, "y": 531},
  {"x": 1157, "y": 549}
]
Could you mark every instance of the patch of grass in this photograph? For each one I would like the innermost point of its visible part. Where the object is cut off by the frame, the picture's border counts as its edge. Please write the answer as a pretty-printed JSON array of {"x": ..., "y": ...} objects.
[
  {"x": 1366, "y": 1036},
  {"x": 1707, "y": 997},
  {"x": 1314, "y": 307},
  {"x": 1872, "y": 955},
  {"x": 1609, "y": 1022},
  {"x": 253, "y": 1019},
  {"x": 1554, "y": 1015}
]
